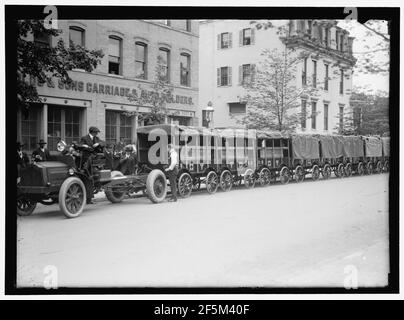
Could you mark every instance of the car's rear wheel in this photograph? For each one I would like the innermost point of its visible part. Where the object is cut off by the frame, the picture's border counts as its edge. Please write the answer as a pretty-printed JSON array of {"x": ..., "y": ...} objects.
[
  {"x": 249, "y": 179},
  {"x": 25, "y": 206},
  {"x": 72, "y": 197},
  {"x": 284, "y": 175},
  {"x": 315, "y": 173},
  {"x": 156, "y": 186},
  {"x": 112, "y": 195},
  {"x": 212, "y": 182},
  {"x": 185, "y": 185},
  {"x": 326, "y": 172},
  {"x": 226, "y": 180},
  {"x": 264, "y": 177}
]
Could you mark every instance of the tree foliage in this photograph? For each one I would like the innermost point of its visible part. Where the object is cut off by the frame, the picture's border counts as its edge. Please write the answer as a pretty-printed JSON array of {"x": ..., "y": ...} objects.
[
  {"x": 41, "y": 62},
  {"x": 273, "y": 97}
]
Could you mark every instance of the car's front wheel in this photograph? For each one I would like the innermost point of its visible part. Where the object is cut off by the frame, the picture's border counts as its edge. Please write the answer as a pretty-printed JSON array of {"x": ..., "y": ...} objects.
[
  {"x": 25, "y": 206},
  {"x": 72, "y": 197}
]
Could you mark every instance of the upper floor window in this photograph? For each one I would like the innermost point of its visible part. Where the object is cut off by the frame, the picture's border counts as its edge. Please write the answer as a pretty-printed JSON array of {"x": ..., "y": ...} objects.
[
  {"x": 325, "y": 116},
  {"x": 326, "y": 67},
  {"x": 224, "y": 40},
  {"x": 245, "y": 73},
  {"x": 310, "y": 27},
  {"x": 224, "y": 76},
  {"x": 76, "y": 35},
  {"x": 165, "y": 22},
  {"x": 314, "y": 74},
  {"x": 141, "y": 60},
  {"x": 185, "y": 69},
  {"x": 326, "y": 37},
  {"x": 341, "y": 117},
  {"x": 341, "y": 43},
  {"x": 304, "y": 72},
  {"x": 115, "y": 55},
  {"x": 303, "y": 115},
  {"x": 313, "y": 114},
  {"x": 341, "y": 82},
  {"x": 164, "y": 60},
  {"x": 246, "y": 37},
  {"x": 186, "y": 25}
]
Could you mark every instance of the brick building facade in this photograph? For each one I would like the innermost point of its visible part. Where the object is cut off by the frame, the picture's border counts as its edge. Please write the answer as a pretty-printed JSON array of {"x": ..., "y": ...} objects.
[{"x": 100, "y": 98}]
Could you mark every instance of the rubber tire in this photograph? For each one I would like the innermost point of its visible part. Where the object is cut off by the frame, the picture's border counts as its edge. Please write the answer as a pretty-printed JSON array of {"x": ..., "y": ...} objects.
[
  {"x": 339, "y": 173},
  {"x": 111, "y": 196},
  {"x": 29, "y": 211},
  {"x": 151, "y": 178},
  {"x": 317, "y": 176},
  {"x": 62, "y": 194},
  {"x": 348, "y": 173},
  {"x": 361, "y": 171},
  {"x": 182, "y": 176},
  {"x": 212, "y": 191},
  {"x": 297, "y": 178},
  {"x": 249, "y": 172}
]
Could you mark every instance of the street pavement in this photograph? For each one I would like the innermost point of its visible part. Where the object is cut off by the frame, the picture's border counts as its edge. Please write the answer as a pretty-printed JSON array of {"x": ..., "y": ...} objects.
[{"x": 324, "y": 233}]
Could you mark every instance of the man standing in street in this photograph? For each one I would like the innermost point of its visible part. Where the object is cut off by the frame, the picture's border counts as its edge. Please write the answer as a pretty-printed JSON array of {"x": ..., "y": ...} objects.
[
  {"x": 41, "y": 154},
  {"x": 172, "y": 171},
  {"x": 22, "y": 159}
]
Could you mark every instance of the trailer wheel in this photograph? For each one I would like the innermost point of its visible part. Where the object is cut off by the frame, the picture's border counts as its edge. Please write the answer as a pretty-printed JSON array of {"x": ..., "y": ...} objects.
[
  {"x": 212, "y": 182},
  {"x": 115, "y": 196},
  {"x": 25, "y": 206},
  {"x": 326, "y": 172},
  {"x": 360, "y": 169},
  {"x": 185, "y": 185},
  {"x": 386, "y": 166},
  {"x": 72, "y": 197},
  {"x": 369, "y": 168},
  {"x": 156, "y": 186},
  {"x": 249, "y": 179},
  {"x": 264, "y": 177},
  {"x": 379, "y": 167},
  {"x": 226, "y": 180},
  {"x": 315, "y": 173},
  {"x": 348, "y": 170},
  {"x": 284, "y": 175},
  {"x": 299, "y": 173},
  {"x": 339, "y": 173}
]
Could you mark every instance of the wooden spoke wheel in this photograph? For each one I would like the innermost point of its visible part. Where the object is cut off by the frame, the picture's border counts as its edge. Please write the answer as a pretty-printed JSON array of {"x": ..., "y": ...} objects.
[
  {"x": 197, "y": 184},
  {"x": 185, "y": 185},
  {"x": 284, "y": 175},
  {"x": 315, "y": 173},
  {"x": 339, "y": 172},
  {"x": 226, "y": 180},
  {"x": 326, "y": 172},
  {"x": 299, "y": 174},
  {"x": 369, "y": 168},
  {"x": 348, "y": 170},
  {"x": 264, "y": 177},
  {"x": 386, "y": 166},
  {"x": 212, "y": 182},
  {"x": 360, "y": 170},
  {"x": 72, "y": 197},
  {"x": 379, "y": 167},
  {"x": 249, "y": 179},
  {"x": 25, "y": 206}
]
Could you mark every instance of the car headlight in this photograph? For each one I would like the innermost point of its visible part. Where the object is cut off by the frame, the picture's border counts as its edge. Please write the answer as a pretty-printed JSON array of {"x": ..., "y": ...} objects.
[
  {"x": 71, "y": 171},
  {"x": 61, "y": 146}
]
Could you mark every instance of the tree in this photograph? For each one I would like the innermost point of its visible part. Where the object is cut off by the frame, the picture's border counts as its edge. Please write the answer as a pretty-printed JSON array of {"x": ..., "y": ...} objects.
[
  {"x": 369, "y": 114},
  {"x": 156, "y": 97},
  {"x": 272, "y": 97},
  {"x": 41, "y": 62}
]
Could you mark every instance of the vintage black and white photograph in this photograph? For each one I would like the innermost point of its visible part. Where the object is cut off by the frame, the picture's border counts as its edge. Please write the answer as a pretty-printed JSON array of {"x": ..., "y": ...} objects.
[{"x": 244, "y": 152}]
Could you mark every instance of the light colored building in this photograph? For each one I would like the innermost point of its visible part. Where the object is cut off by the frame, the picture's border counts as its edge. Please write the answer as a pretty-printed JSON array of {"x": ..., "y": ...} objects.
[
  {"x": 231, "y": 49},
  {"x": 100, "y": 98}
]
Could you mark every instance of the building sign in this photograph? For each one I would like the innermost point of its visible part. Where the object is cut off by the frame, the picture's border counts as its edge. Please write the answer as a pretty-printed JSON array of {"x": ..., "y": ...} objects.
[{"x": 111, "y": 90}]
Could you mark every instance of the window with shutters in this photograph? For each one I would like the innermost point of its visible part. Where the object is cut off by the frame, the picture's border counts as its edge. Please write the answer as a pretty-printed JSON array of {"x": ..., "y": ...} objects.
[
  {"x": 246, "y": 72},
  {"x": 313, "y": 114},
  {"x": 303, "y": 115},
  {"x": 185, "y": 69},
  {"x": 115, "y": 55},
  {"x": 225, "y": 40},
  {"x": 247, "y": 37},
  {"x": 224, "y": 76},
  {"x": 325, "y": 116}
]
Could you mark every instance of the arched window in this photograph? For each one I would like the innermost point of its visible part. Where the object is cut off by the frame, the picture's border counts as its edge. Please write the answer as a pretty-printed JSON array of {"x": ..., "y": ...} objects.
[
  {"x": 76, "y": 35},
  {"x": 185, "y": 69},
  {"x": 115, "y": 55}
]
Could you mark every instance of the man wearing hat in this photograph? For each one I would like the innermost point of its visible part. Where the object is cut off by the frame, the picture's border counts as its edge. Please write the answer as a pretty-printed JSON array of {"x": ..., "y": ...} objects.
[
  {"x": 22, "y": 159},
  {"x": 127, "y": 164},
  {"x": 42, "y": 153},
  {"x": 91, "y": 139}
]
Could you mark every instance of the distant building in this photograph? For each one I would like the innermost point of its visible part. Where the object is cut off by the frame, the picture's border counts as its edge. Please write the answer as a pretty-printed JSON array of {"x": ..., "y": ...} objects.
[
  {"x": 99, "y": 98},
  {"x": 231, "y": 48}
]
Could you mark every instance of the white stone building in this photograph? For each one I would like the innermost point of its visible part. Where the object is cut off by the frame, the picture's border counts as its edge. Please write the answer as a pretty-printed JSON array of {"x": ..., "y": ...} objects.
[{"x": 230, "y": 48}]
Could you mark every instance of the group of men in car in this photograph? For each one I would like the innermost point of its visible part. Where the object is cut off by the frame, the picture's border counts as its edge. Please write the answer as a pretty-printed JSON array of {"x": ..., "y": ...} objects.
[{"x": 124, "y": 160}]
